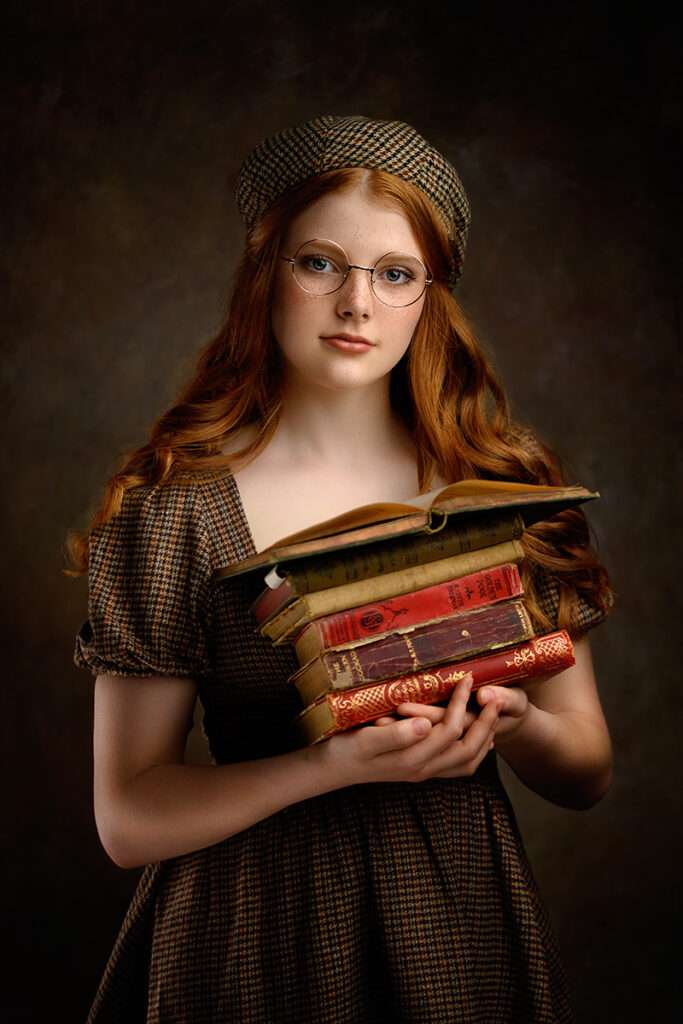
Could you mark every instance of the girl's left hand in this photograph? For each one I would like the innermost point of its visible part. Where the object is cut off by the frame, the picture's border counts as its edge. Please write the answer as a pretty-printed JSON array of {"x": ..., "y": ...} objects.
[{"x": 513, "y": 707}]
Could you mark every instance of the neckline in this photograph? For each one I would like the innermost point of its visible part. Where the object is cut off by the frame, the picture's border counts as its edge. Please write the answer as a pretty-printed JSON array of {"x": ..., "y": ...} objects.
[{"x": 246, "y": 533}]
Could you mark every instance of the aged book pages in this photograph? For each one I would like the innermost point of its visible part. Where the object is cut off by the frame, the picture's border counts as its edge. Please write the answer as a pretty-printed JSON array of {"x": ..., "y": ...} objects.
[
  {"x": 424, "y": 513},
  {"x": 336, "y": 568},
  {"x": 323, "y": 602},
  {"x": 359, "y": 563}
]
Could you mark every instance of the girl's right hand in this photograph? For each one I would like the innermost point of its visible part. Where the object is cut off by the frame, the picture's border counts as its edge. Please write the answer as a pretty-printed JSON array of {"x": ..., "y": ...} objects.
[{"x": 414, "y": 749}]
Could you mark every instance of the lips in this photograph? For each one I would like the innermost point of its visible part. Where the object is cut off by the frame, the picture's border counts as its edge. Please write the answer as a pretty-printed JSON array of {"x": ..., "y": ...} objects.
[{"x": 355, "y": 338}]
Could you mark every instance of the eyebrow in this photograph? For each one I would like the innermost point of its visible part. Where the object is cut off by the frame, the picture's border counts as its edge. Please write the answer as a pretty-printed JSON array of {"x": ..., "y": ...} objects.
[{"x": 401, "y": 252}]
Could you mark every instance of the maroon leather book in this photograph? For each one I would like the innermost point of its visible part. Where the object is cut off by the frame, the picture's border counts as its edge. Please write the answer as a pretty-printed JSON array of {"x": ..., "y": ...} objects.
[
  {"x": 336, "y": 711},
  {"x": 448, "y": 639},
  {"x": 476, "y": 590}
]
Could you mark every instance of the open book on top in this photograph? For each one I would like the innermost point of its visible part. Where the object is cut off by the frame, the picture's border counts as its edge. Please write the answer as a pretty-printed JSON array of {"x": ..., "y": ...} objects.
[{"x": 424, "y": 513}]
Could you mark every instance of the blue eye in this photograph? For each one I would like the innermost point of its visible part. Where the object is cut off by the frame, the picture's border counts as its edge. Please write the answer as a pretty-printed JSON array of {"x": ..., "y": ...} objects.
[
  {"x": 397, "y": 275},
  {"x": 319, "y": 264}
]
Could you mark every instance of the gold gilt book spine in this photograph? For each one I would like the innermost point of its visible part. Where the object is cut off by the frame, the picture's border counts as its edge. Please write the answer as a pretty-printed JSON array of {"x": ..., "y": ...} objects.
[{"x": 335, "y": 712}]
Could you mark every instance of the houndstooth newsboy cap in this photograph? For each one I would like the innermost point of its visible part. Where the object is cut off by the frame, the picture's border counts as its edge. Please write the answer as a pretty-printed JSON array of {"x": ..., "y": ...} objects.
[{"x": 327, "y": 143}]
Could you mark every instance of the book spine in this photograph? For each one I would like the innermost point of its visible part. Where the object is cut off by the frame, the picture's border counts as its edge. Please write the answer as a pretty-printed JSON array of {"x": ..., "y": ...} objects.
[
  {"x": 271, "y": 600},
  {"x": 379, "y": 618},
  {"x": 351, "y": 595},
  {"x": 470, "y": 534},
  {"x": 439, "y": 642},
  {"x": 335, "y": 712}
]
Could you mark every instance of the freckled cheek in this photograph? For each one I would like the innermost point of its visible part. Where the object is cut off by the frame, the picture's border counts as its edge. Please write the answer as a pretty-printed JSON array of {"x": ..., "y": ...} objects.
[
  {"x": 293, "y": 311},
  {"x": 406, "y": 326}
]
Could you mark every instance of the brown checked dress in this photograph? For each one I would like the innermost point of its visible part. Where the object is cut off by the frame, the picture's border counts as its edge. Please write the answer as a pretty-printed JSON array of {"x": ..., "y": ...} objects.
[{"x": 380, "y": 902}]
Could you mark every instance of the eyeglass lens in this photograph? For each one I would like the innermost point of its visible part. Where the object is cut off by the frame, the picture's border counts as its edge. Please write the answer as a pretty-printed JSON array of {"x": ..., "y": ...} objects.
[{"x": 320, "y": 267}]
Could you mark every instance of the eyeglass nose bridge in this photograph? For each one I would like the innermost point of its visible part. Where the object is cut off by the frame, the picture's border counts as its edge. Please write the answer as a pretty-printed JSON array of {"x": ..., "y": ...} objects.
[
  {"x": 371, "y": 271},
  {"x": 356, "y": 266}
]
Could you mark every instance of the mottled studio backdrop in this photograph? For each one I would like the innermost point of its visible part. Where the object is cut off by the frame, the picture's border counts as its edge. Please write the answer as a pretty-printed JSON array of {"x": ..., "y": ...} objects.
[{"x": 124, "y": 127}]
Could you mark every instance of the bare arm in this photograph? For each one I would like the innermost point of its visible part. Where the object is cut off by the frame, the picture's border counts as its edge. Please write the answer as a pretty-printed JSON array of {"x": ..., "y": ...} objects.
[
  {"x": 560, "y": 746},
  {"x": 149, "y": 806},
  {"x": 552, "y": 732}
]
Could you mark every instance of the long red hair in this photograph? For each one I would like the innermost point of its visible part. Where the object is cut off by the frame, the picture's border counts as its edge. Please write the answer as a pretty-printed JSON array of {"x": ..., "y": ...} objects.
[{"x": 444, "y": 388}]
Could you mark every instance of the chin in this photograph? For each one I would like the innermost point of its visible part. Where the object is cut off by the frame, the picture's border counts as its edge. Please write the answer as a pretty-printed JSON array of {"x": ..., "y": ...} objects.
[{"x": 341, "y": 376}]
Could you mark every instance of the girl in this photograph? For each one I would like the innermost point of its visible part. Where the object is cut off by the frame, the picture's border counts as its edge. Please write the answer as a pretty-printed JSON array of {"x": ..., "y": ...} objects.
[{"x": 379, "y": 875}]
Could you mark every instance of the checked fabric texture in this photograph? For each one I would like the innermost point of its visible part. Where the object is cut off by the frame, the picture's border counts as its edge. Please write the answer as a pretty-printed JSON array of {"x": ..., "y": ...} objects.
[
  {"x": 327, "y": 143},
  {"x": 398, "y": 902}
]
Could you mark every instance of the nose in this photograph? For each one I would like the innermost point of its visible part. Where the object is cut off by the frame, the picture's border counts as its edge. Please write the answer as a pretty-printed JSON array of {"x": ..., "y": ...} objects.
[{"x": 355, "y": 298}]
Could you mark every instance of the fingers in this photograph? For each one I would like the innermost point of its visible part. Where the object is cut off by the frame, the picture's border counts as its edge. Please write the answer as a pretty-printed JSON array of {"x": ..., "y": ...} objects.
[
  {"x": 452, "y": 726},
  {"x": 457, "y": 705},
  {"x": 471, "y": 750},
  {"x": 481, "y": 731},
  {"x": 392, "y": 736},
  {"x": 511, "y": 700},
  {"x": 444, "y": 736},
  {"x": 452, "y": 731},
  {"x": 444, "y": 752},
  {"x": 433, "y": 712}
]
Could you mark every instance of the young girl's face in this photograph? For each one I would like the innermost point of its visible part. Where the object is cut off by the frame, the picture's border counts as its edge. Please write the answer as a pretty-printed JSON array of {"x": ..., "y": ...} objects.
[{"x": 306, "y": 324}]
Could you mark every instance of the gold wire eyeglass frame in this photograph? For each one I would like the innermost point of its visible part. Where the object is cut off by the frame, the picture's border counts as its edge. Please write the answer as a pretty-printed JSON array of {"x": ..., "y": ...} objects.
[{"x": 355, "y": 266}]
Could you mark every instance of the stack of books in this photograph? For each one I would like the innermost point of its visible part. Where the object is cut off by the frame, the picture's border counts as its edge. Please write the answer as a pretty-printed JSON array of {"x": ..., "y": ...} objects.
[{"x": 396, "y": 602}]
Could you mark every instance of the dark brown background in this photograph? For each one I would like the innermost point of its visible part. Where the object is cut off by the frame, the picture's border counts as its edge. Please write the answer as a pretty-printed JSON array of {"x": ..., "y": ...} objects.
[{"x": 126, "y": 128}]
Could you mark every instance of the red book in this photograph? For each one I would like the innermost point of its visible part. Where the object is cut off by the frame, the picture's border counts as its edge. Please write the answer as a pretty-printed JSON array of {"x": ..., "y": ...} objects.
[
  {"x": 365, "y": 562},
  {"x": 427, "y": 605},
  {"x": 436, "y": 643},
  {"x": 336, "y": 711}
]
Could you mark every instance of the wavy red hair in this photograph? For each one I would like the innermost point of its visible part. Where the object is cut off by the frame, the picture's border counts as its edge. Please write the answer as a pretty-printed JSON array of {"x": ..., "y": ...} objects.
[{"x": 444, "y": 388}]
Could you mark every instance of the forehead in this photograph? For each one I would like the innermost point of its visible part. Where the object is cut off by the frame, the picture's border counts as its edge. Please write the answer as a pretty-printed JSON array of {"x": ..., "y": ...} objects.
[{"x": 364, "y": 226}]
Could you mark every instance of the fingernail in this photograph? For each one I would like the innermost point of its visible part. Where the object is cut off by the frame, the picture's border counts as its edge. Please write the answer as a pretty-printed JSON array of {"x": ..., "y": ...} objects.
[
  {"x": 420, "y": 725},
  {"x": 468, "y": 679},
  {"x": 486, "y": 694}
]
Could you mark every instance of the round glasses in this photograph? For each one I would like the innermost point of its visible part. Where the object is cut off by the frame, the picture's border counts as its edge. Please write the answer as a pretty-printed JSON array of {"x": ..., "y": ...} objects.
[{"x": 321, "y": 267}]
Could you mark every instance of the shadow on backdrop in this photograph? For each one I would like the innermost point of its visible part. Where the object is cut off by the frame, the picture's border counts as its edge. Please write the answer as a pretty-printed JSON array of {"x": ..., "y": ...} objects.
[{"x": 126, "y": 130}]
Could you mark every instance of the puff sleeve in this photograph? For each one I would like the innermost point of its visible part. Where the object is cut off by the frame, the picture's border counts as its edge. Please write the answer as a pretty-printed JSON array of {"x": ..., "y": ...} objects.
[{"x": 148, "y": 587}]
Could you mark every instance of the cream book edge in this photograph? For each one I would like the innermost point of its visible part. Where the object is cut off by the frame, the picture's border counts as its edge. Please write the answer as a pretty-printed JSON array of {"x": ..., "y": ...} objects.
[{"x": 352, "y": 595}]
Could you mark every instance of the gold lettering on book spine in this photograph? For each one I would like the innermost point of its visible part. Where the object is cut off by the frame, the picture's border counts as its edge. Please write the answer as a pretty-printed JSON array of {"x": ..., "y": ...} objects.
[
  {"x": 411, "y": 652},
  {"x": 524, "y": 618},
  {"x": 357, "y": 669}
]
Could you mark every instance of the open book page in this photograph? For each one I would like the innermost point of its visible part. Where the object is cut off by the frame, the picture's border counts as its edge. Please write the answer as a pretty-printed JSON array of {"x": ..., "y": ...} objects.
[
  {"x": 446, "y": 498},
  {"x": 425, "y": 513}
]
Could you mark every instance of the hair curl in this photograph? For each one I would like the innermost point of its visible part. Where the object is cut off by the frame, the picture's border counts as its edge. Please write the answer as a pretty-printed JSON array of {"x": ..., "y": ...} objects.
[{"x": 444, "y": 388}]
